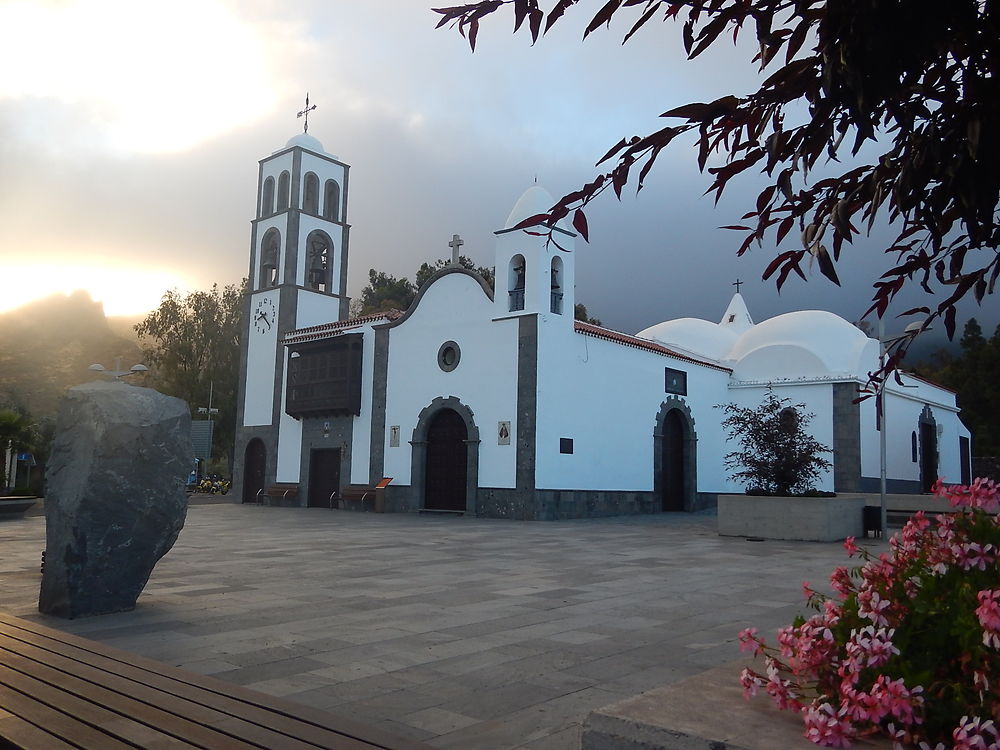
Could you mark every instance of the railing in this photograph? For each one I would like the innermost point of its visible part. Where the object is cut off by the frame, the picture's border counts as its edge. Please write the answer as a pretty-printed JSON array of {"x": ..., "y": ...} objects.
[
  {"x": 556, "y": 304},
  {"x": 516, "y": 299}
]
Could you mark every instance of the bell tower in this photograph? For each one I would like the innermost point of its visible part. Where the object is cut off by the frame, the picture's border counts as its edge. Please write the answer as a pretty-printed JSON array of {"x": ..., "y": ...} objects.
[
  {"x": 535, "y": 274},
  {"x": 297, "y": 278}
]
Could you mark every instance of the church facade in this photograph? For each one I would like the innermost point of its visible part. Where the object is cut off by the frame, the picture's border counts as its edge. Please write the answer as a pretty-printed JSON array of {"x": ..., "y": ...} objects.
[{"x": 498, "y": 403}]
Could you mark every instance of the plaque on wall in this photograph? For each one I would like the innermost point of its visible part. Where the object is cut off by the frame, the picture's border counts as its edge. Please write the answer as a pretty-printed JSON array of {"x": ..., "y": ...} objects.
[
  {"x": 503, "y": 433},
  {"x": 394, "y": 436}
]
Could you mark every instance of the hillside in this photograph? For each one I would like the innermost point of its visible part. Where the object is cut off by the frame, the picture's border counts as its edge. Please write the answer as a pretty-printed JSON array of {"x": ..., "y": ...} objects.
[{"x": 47, "y": 345}]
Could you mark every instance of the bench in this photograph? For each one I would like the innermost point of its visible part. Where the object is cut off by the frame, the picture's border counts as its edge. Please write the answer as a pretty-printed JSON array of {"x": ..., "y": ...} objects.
[
  {"x": 283, "y": 491},
  {"x": 356, "y": 495},
  {"x": 62, "y": 691}
]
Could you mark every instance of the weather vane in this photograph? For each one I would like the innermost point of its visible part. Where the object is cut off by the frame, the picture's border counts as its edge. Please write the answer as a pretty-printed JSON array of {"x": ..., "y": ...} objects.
[
  {"x": 737, "y": 284},
  {"x": 305, "y": 113}
]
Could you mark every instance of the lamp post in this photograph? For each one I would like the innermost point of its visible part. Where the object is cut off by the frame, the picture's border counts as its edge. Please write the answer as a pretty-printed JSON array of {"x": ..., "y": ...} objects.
[
  {"x": 208, "y": 411},
  {"x": 118, "y": 373}
]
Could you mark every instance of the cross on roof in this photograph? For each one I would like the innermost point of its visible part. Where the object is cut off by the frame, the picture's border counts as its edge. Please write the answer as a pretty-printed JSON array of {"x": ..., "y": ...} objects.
[
  {"x": 305, "y": 113},
  {"x": 737, "y": 284},
  {"x": 456, "y": 242}
]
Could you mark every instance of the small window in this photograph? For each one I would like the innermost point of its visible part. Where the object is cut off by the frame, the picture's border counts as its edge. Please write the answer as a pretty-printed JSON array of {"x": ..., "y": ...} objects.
[
  {"x": 913, "y": 446},
  {"x": 331, "y": 201},
  {"x": 565, "y": 445},
  {"x": 267, "y": 198},
  {"x": 283, "y": 191},
  {"x": 556, "y": 293},
  {"x": 269, "y": 254},
  {"x": 318, "y": 262},
  {"x": 449, "y": 356},
  {"x": 515, "y": 283},
  {"x": 675, "y": 381},
  {"x": 310, "y": 201}
]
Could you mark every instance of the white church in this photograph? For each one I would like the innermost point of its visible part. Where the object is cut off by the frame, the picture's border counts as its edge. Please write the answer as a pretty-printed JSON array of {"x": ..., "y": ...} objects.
[{"x": 498, "y": 403}]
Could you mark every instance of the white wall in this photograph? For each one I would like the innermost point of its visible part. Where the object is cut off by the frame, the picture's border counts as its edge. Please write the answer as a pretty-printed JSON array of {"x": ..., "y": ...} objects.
[
  {"x": 260, "y": 367},
  {"x": 606, "y": 397},
  {"x": 313, "y": 309},
  {"x": 454, "y": 308},
  {"x": 289, "y": 436},
  {"x": 818, "y": 400}
]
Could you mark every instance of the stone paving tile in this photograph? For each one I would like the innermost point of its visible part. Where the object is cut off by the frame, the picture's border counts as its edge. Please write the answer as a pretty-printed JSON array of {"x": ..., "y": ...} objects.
[{"x": 471, "y": 634}]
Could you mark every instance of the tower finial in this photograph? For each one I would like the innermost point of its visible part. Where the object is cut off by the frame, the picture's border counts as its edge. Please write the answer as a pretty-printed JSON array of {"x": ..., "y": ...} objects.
[
  {"x": 305, "y": 113},
  {"x": 455, "y": 244}
]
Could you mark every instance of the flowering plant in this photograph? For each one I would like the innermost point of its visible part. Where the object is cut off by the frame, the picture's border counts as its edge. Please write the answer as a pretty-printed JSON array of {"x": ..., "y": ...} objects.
[{"x": 908, "y": 645}]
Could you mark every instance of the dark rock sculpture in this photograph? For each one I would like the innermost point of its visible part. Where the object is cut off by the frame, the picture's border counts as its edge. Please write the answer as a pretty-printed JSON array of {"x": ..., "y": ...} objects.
[{"x": 115, "y": 501}]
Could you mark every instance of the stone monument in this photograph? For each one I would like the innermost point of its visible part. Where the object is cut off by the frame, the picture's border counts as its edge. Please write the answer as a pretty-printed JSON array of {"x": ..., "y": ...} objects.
[{"x": 115, "y": 501}]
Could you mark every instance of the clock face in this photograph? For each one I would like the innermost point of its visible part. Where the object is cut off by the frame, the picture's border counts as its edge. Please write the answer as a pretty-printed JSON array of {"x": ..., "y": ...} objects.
[{"x": 264, "y": 316}]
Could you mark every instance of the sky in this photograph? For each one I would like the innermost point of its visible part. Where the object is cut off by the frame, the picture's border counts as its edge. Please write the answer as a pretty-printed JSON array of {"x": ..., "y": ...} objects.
[{"x": 130, "y": 133}]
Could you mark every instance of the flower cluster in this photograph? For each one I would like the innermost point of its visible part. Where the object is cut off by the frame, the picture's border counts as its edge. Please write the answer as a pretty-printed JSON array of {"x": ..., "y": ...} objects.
[{"x": 909, "y": 644}]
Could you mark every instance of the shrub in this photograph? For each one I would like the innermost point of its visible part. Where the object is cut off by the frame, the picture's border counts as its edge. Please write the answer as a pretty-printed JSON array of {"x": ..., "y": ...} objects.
[
  {"x": 777, "y": 456},
  {"x": 909, "y": 645}
]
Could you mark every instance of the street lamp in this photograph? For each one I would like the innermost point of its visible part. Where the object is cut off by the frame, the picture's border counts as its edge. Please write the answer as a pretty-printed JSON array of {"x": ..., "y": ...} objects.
[
  {"x": 884, "y": 344},
  {"x": 118, "y": 373}
]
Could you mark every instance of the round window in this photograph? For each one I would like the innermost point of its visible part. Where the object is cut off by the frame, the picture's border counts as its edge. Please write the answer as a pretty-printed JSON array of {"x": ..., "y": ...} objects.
[{"x": 448, "y": 356}]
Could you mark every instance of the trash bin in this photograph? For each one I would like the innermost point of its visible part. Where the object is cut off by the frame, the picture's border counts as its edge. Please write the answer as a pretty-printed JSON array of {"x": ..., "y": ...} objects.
[{"x": 872, "y": 520}]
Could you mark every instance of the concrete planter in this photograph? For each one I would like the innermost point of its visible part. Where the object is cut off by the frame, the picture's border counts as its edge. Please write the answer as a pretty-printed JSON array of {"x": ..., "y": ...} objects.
[
  {"x": 809, "y": 519},
  {"x": 14, "y": 507}
]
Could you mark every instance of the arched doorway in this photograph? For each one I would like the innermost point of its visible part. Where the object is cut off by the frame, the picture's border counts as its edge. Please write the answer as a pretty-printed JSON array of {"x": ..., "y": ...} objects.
[
  {"x": 675, "y": 457},
  {"x": 673, "y": 461},
  {"x": 447, "y": 462},
  {"x": 928, "y": 450},
  {"x": 254, "y": 466}
]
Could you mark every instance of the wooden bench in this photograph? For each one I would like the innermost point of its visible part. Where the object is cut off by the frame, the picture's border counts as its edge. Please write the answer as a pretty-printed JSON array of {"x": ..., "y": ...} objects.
[
  {"x": 361, "y": 494},
  {"x": 283, "y": 491},
  {"x": 62, "y": 691}
]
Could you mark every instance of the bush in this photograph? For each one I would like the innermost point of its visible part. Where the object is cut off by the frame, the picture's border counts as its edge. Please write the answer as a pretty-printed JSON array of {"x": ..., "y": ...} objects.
[
  {"x": 909, "y": 645},
  {"x": 777, "y": 455}
]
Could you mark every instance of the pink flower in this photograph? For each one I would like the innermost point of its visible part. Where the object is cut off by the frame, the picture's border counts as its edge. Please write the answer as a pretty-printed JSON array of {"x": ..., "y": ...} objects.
[
  {"x": 975, "y": 734},
  {"x": 850, "y": 546},
  {"x": 750, "y": 681},
  {"x": 988, "y": 613},
  {"x": 873, "y": 607},
  {"x": 827, "y": 727},
  {"x": 749, "y": 641}
]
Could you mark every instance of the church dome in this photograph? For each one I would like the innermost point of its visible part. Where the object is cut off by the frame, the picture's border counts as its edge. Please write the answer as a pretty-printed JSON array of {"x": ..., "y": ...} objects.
[
  {"x": 694, "y": 335},
  {"x": 808, "y": 343},
  {"x": 306, "y": 141},
  {"x": 535, "y": 200}
]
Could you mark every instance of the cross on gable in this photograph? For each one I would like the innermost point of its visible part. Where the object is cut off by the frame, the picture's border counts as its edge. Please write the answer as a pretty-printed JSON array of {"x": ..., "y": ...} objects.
[
  {"x": 455, "y": 244},
  {"x": 737, "y": 284},
  {"x": 305, "y": 113}
]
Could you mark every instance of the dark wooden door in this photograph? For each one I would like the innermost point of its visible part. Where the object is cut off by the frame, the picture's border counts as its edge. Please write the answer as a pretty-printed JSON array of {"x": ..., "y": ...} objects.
[
  {"x": 254, "y": 466},
  {"x": 928, "y": 455},
  {"x": 324, "y": 476},
  {"x": 447, "y": 461},
  {"x": 672, "y": 480}
]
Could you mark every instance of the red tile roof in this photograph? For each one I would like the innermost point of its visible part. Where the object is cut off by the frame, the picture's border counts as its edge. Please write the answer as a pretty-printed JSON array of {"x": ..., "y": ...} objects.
[
  {"x": 329, "y": 330},
  {"x": 589, "y": 329}
]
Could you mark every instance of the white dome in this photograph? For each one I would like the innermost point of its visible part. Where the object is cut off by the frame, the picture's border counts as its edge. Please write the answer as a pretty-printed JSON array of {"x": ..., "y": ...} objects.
[
  {"x": 535, "y": 200},
  {"x": 804, "y": 344},
  {"x": 306, "y": 141},
  {"x": 693, "y": 335}
]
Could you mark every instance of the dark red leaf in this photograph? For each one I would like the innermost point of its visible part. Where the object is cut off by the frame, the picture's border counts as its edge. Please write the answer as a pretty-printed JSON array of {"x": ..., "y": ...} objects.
[
  {"x": 580, "y": 225},
  {"x": 603, "y": 16}
]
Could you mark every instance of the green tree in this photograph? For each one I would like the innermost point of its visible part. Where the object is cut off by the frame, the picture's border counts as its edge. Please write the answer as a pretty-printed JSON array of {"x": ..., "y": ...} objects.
[
  {"x": 580, "y": 313},
  {"x": 193, "y": 344},
  {"x": 427, "y": 270},
  {"x": 916, "y": 82},
  {"x": 384, "y": 293},
  {"x": 17, "y": 433},
  {"x": 776, "y": 455}
]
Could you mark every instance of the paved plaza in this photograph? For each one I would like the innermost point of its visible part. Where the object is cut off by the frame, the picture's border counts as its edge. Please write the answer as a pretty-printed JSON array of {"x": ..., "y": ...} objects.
[{"x": 465, "y": 633}]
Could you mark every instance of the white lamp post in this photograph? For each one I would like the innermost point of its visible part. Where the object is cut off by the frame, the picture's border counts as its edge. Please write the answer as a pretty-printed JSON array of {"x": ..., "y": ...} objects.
[{"x": 118, "y": 373}]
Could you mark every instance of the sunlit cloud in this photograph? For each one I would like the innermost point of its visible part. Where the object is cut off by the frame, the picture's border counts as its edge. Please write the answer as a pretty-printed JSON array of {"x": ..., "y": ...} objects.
[
  {"x": 150, "y": 77},
  {"x": 123, "y": 290}
]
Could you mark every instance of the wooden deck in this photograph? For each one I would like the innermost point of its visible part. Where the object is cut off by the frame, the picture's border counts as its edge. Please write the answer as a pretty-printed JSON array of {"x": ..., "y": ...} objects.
[{"x": 61, "y": 691}]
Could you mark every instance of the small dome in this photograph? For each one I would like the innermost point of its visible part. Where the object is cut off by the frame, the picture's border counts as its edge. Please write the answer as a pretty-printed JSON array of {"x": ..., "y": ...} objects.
[
  {"x": 694, "y": 335},
  {"x": 808, "y": 343},
  {"x": 306, "y": 141},
  {"x": 535, "y": 200}
]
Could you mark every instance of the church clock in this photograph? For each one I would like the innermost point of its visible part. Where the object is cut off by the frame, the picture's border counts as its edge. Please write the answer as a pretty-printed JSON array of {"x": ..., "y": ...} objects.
[{"x": 264, "y": 316}]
